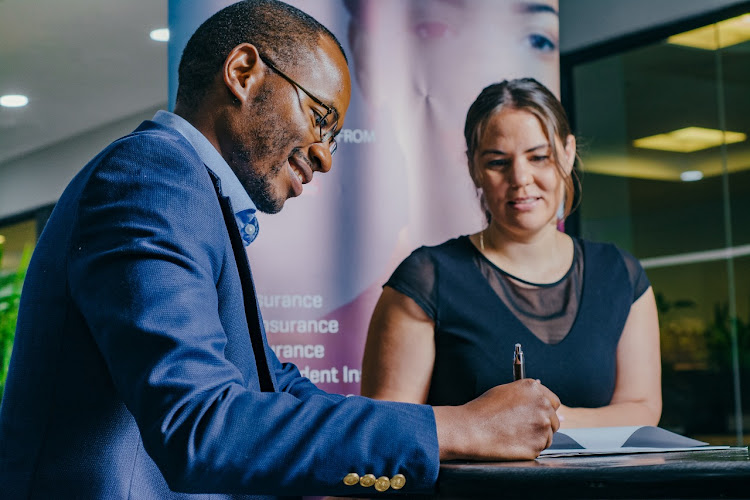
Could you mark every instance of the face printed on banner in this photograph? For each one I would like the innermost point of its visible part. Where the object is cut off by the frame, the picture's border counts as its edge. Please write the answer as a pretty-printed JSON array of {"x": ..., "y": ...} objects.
[
  {"x": 450, "y": 49},
  {"x": 509, "y": 38}
]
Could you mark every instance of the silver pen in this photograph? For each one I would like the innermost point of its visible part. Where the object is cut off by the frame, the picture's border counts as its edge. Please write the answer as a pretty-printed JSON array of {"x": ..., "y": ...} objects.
[{"x": 519, "y": 367}]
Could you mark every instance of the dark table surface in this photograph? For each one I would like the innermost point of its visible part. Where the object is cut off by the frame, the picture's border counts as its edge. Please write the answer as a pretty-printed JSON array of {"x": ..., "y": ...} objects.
[{"x": 692, "y": 474}]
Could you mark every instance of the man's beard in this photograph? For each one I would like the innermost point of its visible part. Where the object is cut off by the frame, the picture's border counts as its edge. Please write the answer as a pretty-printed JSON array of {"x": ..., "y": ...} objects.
[
  {"x": 258, "y": 186},
  {"x": 254, "y": 149}
]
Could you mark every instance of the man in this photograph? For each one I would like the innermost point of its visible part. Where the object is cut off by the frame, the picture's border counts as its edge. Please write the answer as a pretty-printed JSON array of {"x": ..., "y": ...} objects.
[{"x": 141, "y": 368}]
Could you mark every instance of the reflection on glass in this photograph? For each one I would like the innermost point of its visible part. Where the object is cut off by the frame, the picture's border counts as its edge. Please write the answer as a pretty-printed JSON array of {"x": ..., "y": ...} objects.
[{"x": 684, "y": 210}]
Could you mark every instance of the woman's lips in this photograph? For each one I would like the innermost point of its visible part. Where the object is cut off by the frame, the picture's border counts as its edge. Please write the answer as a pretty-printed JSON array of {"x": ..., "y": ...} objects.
[{"x": 525, "y": 203}]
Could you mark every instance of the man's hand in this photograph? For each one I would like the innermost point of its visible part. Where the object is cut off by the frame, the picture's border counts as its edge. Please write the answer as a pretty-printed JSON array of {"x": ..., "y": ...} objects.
[{"x": 509, "y": 422}]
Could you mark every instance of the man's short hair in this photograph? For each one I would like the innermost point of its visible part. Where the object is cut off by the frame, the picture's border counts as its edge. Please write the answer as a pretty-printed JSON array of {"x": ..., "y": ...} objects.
[{"x": 279, "y": 31}]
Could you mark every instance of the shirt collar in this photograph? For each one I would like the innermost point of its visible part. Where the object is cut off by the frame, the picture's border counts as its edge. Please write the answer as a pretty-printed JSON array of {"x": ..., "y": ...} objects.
[{"x": 243, "y": 206}]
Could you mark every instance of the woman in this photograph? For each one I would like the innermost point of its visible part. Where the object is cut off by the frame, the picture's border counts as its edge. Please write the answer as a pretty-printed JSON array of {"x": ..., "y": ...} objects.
[{"x": 445, "y": 326}]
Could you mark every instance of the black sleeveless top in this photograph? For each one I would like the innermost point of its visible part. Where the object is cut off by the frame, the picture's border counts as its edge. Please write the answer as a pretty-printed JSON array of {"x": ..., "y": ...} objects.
[{"x": 479, "y": 318}]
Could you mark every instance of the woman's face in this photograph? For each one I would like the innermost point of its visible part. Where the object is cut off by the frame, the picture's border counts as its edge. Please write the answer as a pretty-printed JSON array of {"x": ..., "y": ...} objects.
[{"x": 517, "y": 172}]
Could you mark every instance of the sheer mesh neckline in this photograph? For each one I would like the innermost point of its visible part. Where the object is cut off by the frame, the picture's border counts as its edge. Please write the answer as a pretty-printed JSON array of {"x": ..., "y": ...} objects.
[
  {"x": 576, "y": 251},
  {"x": 547, "y": 310}
]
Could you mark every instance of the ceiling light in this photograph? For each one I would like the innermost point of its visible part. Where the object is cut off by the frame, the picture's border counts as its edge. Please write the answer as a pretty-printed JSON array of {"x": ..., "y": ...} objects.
[
  {"x": 691, "y": 175},
  {"x": 687, "y": 140},
  {"x": 716, "y": 36},
  {"x": 14, "y": 100},
  {"x": 160, "y": 35}
]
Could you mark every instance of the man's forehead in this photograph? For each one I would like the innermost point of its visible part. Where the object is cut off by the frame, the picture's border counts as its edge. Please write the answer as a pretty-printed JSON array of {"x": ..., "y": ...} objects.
[{"x": 323, "y": 70}]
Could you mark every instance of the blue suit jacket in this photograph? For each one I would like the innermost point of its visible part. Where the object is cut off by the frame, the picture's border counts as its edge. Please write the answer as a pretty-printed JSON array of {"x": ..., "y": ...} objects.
[{"x": 133, "y": 374}]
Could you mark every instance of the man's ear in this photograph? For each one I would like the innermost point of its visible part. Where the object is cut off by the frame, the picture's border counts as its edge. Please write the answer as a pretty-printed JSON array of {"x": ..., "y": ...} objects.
[{"x": 242, "y": 71}]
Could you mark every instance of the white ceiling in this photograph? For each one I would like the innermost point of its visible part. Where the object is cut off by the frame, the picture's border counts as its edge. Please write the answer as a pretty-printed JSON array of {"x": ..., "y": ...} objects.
[{"x": 82, "y": 63}]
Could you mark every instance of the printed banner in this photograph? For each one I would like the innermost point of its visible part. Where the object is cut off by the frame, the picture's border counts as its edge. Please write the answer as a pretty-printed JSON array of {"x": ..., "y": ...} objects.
[{"x": 400, "y": 178}]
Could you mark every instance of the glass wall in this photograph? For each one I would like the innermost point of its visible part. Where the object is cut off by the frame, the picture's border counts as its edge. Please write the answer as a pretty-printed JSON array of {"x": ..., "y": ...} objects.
[{"x": 665, "y": 135}]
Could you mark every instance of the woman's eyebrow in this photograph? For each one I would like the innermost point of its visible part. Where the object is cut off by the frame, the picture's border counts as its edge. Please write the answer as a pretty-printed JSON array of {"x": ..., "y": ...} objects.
[
  {"x": 492, "y": 152},
  {"x": 501, "y": 152},
  {"x": 535, "y": 8}
]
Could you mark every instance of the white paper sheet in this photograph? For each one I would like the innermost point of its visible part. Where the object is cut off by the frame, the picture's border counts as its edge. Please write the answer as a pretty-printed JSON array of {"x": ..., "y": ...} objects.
[{"x": 621, "y": 440}]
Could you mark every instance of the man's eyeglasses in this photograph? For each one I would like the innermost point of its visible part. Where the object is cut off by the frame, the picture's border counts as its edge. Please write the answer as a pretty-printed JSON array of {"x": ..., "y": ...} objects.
[{"x": 326, "y": 123}]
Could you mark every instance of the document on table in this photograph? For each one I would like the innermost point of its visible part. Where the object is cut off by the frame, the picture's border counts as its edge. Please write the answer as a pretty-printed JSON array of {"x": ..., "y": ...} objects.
[{"x": 621, "y": 440}]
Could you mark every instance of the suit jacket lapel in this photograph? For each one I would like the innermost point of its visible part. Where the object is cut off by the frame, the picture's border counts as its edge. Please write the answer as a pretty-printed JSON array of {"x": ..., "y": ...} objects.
[{"x": 252, "y": 311}]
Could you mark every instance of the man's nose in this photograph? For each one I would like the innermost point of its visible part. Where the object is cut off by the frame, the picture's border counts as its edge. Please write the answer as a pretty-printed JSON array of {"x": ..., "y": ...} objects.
[{"x": 320, "y": 156}]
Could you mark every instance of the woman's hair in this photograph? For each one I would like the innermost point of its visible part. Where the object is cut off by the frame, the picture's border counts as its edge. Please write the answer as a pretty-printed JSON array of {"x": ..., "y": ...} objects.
[{"x": 524, "y": 94}]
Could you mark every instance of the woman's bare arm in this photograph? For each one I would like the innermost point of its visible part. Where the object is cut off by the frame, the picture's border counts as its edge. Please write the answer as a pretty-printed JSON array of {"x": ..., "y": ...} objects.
[
  {"x": 637, "y": 396},
  {"x": 400, "y": 350}
]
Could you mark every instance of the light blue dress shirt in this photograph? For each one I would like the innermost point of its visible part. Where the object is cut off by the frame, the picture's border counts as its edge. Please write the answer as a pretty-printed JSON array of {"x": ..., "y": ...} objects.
[{"x": 244, "y": 208}]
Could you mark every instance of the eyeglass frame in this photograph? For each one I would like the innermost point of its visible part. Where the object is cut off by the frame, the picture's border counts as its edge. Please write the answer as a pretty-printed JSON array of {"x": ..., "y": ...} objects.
[{"x": 329, "y": 136}]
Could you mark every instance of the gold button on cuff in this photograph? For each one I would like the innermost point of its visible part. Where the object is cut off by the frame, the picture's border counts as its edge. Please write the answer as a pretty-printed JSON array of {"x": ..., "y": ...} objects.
[
  {"x": 398, "y": 481},
  {"x": 382, "y": 483},
  {"x": 367, "y": 480},
  {"x": 351, "y": 479}
]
